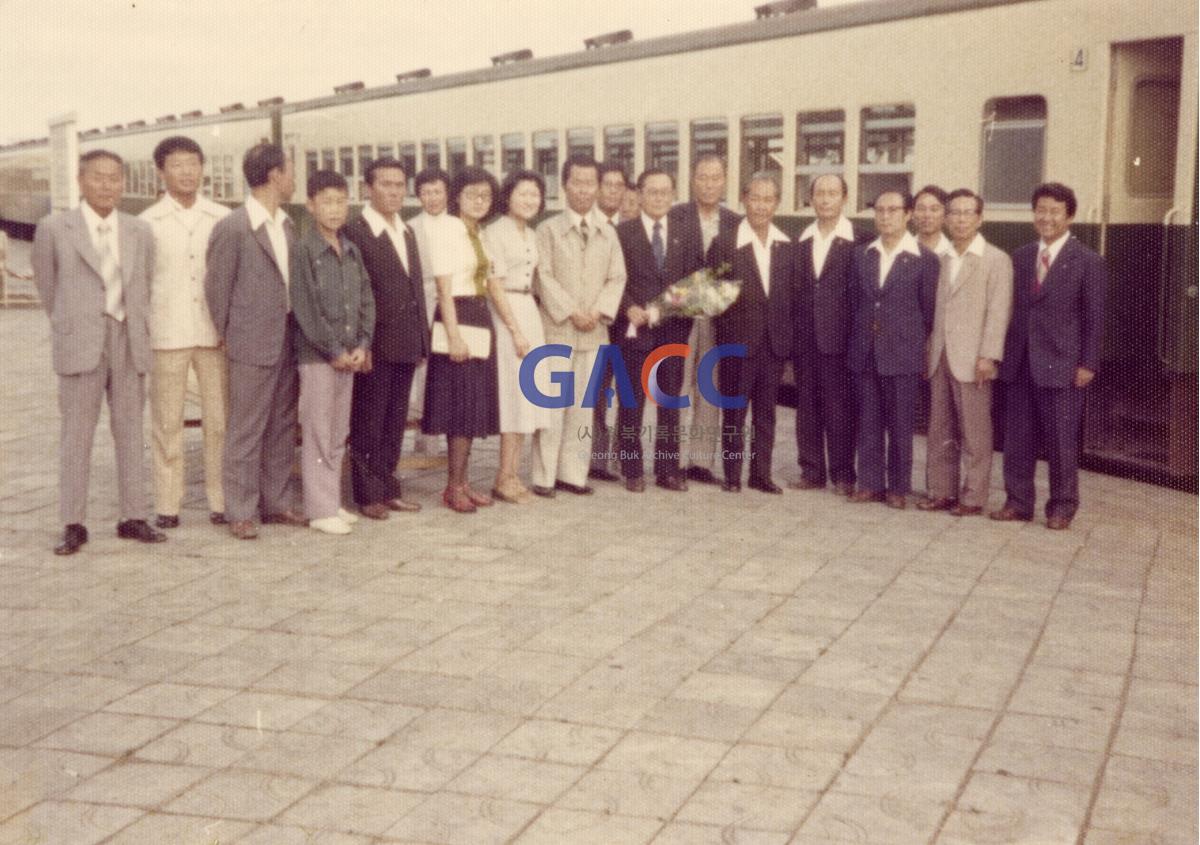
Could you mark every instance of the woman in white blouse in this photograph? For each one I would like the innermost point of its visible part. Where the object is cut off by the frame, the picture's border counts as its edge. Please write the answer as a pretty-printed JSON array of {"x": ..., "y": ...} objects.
[{"x": 513, "y": 248}]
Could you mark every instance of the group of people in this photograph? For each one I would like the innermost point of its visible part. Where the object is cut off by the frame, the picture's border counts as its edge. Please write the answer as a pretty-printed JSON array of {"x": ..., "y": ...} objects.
[{"x": 329, "y": 332}]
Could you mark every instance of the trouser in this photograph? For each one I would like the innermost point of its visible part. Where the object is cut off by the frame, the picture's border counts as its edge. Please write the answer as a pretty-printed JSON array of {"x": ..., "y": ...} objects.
[
  {"x": 325, "y": 396},
  {"x": 755, "y": 377},
  {"x": 887, "y": 407},
  {"x": 562, "y": 451},
  {"x": 260, "y": 438},
  {"x": 701, "y": 419},
  {"x": 377, "y": 422},
  {"x": 603, "y": 439},
  {"x": 960, "y": 431},
  {"x": 168, "y": 388},
  {"x": 1051, "y": 417},
  {"x": 825, "y": 418},
  {"x": 79, "y": 399},
  {"x": 669, "y": 375}
]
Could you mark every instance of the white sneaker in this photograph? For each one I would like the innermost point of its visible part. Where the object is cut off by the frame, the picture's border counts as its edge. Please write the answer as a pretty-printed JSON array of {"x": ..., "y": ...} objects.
[
  {"x": 347, "y": 517},
  {"x": 329, "y": 525}
]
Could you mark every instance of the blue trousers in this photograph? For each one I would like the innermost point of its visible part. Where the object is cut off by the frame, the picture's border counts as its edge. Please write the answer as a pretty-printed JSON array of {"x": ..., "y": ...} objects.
[
  {"x": 1050, "y": 417},
  {"x": 887, "y": 408}
]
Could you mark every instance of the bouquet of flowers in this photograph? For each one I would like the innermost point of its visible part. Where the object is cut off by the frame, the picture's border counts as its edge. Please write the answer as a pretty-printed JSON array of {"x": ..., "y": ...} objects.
[{"x": 705, "y": 293}]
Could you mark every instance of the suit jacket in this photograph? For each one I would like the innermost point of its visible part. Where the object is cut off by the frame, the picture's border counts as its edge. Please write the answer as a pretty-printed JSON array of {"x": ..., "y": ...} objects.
[
  {"x": 66, "y": 270},
  {"x": 688, "y": 214},
  {"x": 822, "y": 303},
  {"x": 971, "y": 318},
  {"x": 401, "y": 323},
  {"x": 572, "y": 277},
  {"x": 1060, "y": 327},
  {"x": 756, "y": 317},
  {"x": 247, "y": 296},
  {"x": 902, "y": 309},
  {"x": 644, "y": 281}
]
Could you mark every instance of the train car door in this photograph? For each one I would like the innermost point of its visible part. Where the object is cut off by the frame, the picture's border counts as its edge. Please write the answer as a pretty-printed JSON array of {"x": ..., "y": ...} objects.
[{"x": 1141, "y": 416}]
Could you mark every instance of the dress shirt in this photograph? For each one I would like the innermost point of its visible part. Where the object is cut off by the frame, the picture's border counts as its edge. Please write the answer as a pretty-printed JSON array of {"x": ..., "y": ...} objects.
[
  {"x": 944, "y": 247},
  {"x": 908, "y": 244},
  {"x": 974, "y": 248},
  {"x": 593, "y": 220},
  {"x": 821, "y": 243},
  {"x": 179, "y": 316},
  {"x": 1055, "y": 248},
  {"x": 710, "y": 227},
  {"x": 648, "y": 224},
  {"x": 395, "y": 232},
  {"x": 258, "y": 217},
  {"x": 114, "y": 291},
  {"x": 514, "y": 253},
  {"x": 762, "y": 252}
]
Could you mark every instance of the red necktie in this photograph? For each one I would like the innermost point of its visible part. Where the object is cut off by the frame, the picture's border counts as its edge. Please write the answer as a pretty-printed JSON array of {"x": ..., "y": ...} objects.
[{"x": 1043, "y": 268}]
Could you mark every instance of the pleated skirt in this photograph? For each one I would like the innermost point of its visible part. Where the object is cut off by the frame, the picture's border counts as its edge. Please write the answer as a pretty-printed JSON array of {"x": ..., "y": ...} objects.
[{"x": 461, "y": 399}]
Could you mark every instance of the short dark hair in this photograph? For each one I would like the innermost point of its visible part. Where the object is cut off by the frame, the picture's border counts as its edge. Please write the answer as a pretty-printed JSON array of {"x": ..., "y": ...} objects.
[
  {"x": 175, "y": 144},
  {"x": 703, "y": 157},
  {"x": 606, "y": 167},
  {"x": 763, "y": 176},
  {"x": 91, "y": 155},
  {"x": 431, "y": 174},
  {"x": 580, "y": 160},
  {"x": 510, "y": 184},
  {"x": 260, "y": 160},
  {"x": 906, "y": 198},
  {"x": 379, "y": 164},
  {"x": 323, "y": 179},
  {"x": 935, "y": 191},
  {"x": 812, "y": 186},
  {"x": 1058, "y": 192},
  {"x": 959, "y": 193},
  {"x": 472, "y": 175},
  {"x": 654, "y": 171}
]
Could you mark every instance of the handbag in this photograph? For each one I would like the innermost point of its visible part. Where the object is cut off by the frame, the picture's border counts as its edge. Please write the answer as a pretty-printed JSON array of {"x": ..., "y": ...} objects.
[{"x": 477, "y": 338}]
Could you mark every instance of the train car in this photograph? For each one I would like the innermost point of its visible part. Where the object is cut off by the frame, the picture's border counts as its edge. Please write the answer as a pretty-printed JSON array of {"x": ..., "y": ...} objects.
[{"x": 996, "y": 95}]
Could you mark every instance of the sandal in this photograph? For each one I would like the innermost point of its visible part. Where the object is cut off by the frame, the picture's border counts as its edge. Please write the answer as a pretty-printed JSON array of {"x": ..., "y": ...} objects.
[{"x": 457, "y": 499}]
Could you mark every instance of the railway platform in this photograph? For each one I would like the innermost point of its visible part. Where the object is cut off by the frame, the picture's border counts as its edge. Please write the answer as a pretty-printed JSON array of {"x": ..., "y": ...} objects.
[{"x": 668, "y": 668}]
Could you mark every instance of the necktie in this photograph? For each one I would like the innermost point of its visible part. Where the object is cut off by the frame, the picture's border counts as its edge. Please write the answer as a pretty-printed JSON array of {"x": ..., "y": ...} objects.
[
  {"x": 1043, "y": 268},
  {"x": 656, "y": 246},
  {"x": 583, "y": 230},
  {"x": 113, "y": 305},
  {"x": 482, "y": 265}
]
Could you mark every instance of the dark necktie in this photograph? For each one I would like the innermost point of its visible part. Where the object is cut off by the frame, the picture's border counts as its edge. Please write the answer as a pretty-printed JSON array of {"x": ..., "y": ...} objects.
[
  {"x": 656, "y": 246},
  {"x": 583, "y": 230}
]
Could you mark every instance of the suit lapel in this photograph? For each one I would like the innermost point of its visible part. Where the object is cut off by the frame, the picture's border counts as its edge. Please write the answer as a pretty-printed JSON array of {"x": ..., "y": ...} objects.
[
  {"x": 751, "y": 262},
  {"x": 83, "y": 242},
  {"x": 1065, "y": 256},
  {"x": 264, "y": 241}
]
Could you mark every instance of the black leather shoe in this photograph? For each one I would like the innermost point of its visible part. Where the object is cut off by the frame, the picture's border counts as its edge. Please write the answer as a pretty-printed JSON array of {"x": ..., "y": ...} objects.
[
  {"x": 165, "y": 521},
  {"x": 675, "y": 483},
  {"x": 803, "y": 483},
  {"x": 765, "y": 485},
  {"x": 701, "y": 476},
  {"x": 731, "y": 486},
  {"x": 544, "y": 492},
  {"x": 218, "y": 518},
  {"x": 635, "y": 485},
  {"x": 602, "y": 475},
  {"x": 140, "y": 530},
  {"x": 577, "y": 489},
  {"x": 74, "y": 536}
]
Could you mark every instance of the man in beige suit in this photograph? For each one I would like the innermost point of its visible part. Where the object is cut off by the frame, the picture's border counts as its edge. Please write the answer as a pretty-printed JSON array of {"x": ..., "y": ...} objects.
[
  {"x": 581, "y": 276},
  {"x": 974, "y": 303}
]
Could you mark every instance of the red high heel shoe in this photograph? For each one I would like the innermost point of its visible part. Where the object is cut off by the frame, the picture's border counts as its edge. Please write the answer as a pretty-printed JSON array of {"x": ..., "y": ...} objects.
[
  {"x": 483, "y": 500},
  {"x": 457, "y": 499}
]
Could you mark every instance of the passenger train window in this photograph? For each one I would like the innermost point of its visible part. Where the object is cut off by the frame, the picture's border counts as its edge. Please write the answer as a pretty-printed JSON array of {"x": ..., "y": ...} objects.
[
  {"x": 346, "y": 162},
  {"x": 618, "y": 148},
  {"x": 820, "y": 148},
  {"x": 581, "y": 141},
  {"x": 312, "y": 163},
  {"x": 366, "y": 154},
  {"x": 1150, "y": 170},
  {"x": 431, "y": 154},
  {"x": 762, "y": 145},
  {"x": 328, "y": 159},
  {"x": 1013, "y": 149},
  {"x": 456, "y": 154},
  {"x": 384, "y": 150},
  {"x": 662, "y": 147},
  {"x": 485, "y": 151},
  {"x": 408, "y": 157},
  {"x": 512, "y": 152},
  {"x": 545, "y": 159},
  {"x": 886, "y": 152},
  {"x": 710, "y": 136}
]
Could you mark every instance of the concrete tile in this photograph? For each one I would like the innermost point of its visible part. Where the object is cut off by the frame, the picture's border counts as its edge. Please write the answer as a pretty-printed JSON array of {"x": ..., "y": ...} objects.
[
  {"x": 273, "y": 834},
  {"x": 137, "y": 784},
  {"x": 457, "y": 730},
  {"x": 244, "y": 796},
  {"x": 554, "y": 827},
  {"x": 683, "y": 833},
  {"x": 407, "y": 767},
  {"x": 261, "y": 710},
  {"x": 1008, "y": 809},
  {"x": 66, "y": 821},
  {"x": 172, "y": 701},
  {"x": 748, "y": 805},
  {"x": 516, "y": 779},
  {"x": 371, "y": 720},
  {"x": 216, "y": 746},
  {"x": 1153, "y": 798},
  {"x": 110, "y": 734},
  {"x": 450, "y": 818},
  {"x": 1040, "y": 762},
  {"x": 561, "y": 742},
  {"x": 304, "y": 755},
  {"x": 698, "y": 718},
  {"x": 665, "y": 756},
  {"x": 628, "y": 794},
  {"x": 351, "y": 809},
  {"x": 894, "y": 816},
  {"x": 180, "y": 830},
  {"x": 318, "y": 678},
  {"x": 790, "y": 768}
]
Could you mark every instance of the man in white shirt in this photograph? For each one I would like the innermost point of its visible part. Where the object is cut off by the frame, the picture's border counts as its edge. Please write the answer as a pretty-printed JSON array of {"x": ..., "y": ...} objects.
[
  {"x": 929, "y": 220},
  {"x": 181, "y": 330},
  {"x": 974, "y": 301}
]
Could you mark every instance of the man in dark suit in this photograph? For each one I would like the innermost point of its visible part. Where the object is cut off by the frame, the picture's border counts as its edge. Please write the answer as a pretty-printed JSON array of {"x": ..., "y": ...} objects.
[
  {"x": 702, "y": 420},
  {"x": 656, "y": 256},
  {"x": 92, "y": 267},
  {"x": 246, "y": 285},
  {"x": 893, "y": 288},
  {"x": 763, "y": 258},
  {"x": 401, "y": 342},
  {"x": 824, "y": 391},
  {"x": 1051, "y": 353}
]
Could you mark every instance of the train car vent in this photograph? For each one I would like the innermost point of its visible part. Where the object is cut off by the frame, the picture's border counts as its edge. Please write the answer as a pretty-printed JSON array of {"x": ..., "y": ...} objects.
[
  {"x": 408, "y": 76},
  {"x": 782, "y": 7},
  {"x": 271, "y": 101},
  {"x": 348, "y": 87},
  {"x": 188, "y": 115},
  {"x": 510, "y": 58},
  {"x": 608, "y": 39},
  {"x": 232, "y": 107},
  {"x": 166, "y": 118}
]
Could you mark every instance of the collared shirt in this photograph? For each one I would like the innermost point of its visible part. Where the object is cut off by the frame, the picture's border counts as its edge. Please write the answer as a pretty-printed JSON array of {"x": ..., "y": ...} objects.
[
  {"x": 943, "y": 247},
  {"x": 710, "y": 226},
  {"x": 762, "y": 252},
  {"x": 648, "y": 224},
  {"x": 395, "y": 232},
  {"x": 179, "y": 316},
  {"x": 453, "y": 255},
  {"x": 576, "y": 218},
  {"x": 514, "y": 253},
  {"x": 279, "y": 245},
  {"x": 331, "y": 299},
  {"x": 955, "y": 261},
  {"x": 907, "y": 243},
  {"x": 93, "y": 221},
  {"x": 821, "y": 243},
  {"x": 1055, "y": 248}
]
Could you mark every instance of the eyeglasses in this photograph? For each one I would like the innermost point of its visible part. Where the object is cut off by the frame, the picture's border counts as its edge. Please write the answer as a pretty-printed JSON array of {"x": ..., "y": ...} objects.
[
  {"x": 889, "y": 209},
  {"x": 962, "y": 212}
]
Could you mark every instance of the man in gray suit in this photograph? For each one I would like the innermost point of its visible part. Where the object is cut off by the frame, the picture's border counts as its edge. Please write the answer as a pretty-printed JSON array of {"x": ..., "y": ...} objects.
[
  {"x": 92, "y": 267},
  {"x": 974, "y": 303},
  {"x": 247, "y": 290}
]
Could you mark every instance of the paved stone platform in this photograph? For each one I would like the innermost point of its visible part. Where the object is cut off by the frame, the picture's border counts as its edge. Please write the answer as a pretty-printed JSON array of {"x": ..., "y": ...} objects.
[{"x": 697, "y": 668}]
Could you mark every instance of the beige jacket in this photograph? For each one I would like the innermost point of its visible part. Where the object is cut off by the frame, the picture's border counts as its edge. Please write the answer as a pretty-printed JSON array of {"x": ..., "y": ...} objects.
[
  {"x": 573, "y": 278},
  {"x": 971, "y": 317}
]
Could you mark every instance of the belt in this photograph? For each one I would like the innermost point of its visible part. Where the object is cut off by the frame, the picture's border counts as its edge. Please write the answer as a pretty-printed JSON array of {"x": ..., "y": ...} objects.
[{"x": 518, "y": 290}]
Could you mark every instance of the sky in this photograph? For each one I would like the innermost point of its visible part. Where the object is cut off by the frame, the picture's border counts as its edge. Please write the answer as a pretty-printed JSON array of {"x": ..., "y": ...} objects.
[{"x": 116, "y": 61}]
